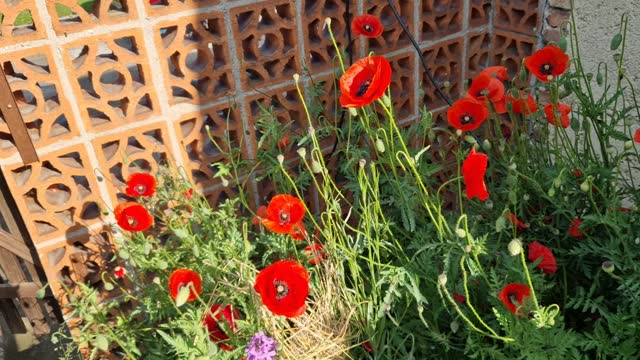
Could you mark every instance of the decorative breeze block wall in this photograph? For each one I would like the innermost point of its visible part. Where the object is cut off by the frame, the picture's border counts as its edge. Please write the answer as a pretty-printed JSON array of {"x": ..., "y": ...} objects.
[{"x": 115, "y": 87}]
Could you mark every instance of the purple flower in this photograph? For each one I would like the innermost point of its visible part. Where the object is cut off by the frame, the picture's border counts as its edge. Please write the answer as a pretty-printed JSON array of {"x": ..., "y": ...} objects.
[{"x": 261, "y": 347}]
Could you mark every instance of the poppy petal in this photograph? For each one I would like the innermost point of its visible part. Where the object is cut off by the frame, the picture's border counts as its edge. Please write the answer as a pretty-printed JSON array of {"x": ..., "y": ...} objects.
[
  {"x": 365, "y": 81},
  {"x": 467, "y": 114},
  {"x": 548, "y": 263},
  {"x": 367, "y": 25},
  {"x": 283, "y": 287},
  {"x": 547, "y": 63},
  {"x": 473, "y": 171},
  {"x": 514, "y": 293},
  {"x": 132, "y": 216}
]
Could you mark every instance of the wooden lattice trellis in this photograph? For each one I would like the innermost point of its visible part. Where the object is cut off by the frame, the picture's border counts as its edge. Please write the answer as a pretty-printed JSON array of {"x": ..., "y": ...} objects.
[{"x": 129, "y": 80}]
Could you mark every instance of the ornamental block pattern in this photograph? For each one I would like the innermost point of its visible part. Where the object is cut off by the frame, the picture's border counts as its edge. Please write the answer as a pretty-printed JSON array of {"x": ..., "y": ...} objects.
[{"x": 108, "y": 88}]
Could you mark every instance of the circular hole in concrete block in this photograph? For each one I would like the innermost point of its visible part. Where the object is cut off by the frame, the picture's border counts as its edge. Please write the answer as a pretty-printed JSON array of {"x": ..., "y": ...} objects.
[
  {"x": 197, "y": 60},
  {"x": 112, "y": 81},
  {"x": 57, "y": 194}
]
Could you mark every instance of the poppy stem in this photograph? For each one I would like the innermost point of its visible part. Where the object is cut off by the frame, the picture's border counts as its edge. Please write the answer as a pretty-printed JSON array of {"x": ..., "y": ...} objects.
[
  {"x": 528, "y": 276},
  {"x": 417, "y": 47}
]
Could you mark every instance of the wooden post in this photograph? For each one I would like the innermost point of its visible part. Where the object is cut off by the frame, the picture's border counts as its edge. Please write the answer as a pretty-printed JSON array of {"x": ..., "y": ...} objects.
[{"x": 13, "y": 118}]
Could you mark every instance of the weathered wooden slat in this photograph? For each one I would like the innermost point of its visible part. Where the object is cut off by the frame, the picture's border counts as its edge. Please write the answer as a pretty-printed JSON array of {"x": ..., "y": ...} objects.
[
  {"x": 19, "y": 290},
  {"x": 15, "y": 123},
  {"x": 14, "y": 245}
]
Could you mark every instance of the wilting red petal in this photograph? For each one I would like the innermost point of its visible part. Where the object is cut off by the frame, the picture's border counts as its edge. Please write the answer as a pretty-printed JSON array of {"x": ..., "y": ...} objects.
[
  {"x": 548, "y": 264},
  {"x": 498, "y": 72},
  {"x": 212, "y": 322},
  {"x": 514, "y": 221},
  {"x": 547, "y": 63},
  {"x": 524, "y": 104},
  {"x": 367, "y": 25},
  {"x": 473, "y": 170},
  {"x": 636, "y": 136},
  {"x": 467, "y": 114},
  {"x": 140, "y": 184},
  {"x": 552, "y": 116},
  {"x": 513, "y": 294},
  {"x": 298, "y": 231},
  {"x": 315, "y": 253},
  {"x": 574, "y": 229},
  {"x": 283, "y": 288},
  {"x": 577, "y": 172},
  {"x": 261, "y": 213},
  {"x": 283, "y": 212},
  {"x": 132, "y": 216},
  {"x": 182, "y": 277},
  {"x": 459, "y": 298},
  {"x": 365, "y": 81}
]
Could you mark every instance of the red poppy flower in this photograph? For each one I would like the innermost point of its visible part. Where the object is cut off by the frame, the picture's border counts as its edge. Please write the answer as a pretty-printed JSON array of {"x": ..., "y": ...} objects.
[
  {"x": 513, "y": 294},
  {"x": 283, "y": 287},
  {"x": 577, "y": 172},
  {"x": 212, "y": 322},
  {"x": 132, "y": 216},
  {"x": 459, "y": 298},
  {"x": 636, "y": 136},
  {"x": 365, "y": 81},
  {"x": 524, "y": 104},
  {"x": 283, "y": 143},
  {"x": 625, "y": 209},
  {"x": 315, "y": 253},
  {"x": 473, "y": 169},
  {"x": 182, "y": 277},
  {"x": 548, "y": 264},
  {"x": 298, "y": 231},
  {"x": 284, "y": 211},
  {"x": 367, "y": 25},
  {"x": 367, "y": 346},
  {"x": 141, "y": 184},
  {"x": 548, "y": 62},
  {"x": 485, "y": 87},
  {"x": 574, "y": 229},
  {"x": 552, "y": 116},
  {"x": 498, "y": 72},
  {"x": 467, "y": 114},
  {"x": 119, "y": 272},
  {"x": 514, "y": 221},
  {"x": 261, "y": 213}
]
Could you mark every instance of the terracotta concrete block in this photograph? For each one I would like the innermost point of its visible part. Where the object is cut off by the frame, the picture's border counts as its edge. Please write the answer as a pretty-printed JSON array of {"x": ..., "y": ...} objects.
[
  {"x": 195, "y": 131},
  {"x": 509, "y": 49},
  {"x": 143, "y": 149},
  {"x": 111, "y": 79},
  {"x": 393, "y": 38},
  {"x": 439, "y": 18},
  {"x": 34, "y": 80},
  {"x": 266, "y": 42},
  {"x": 402, "y": 85},
  {"x": 519, "y": 16},
  {"x": 479, "y": 12},
  {"x": 196, "y": 58},
  {"x": 167, "y": 7},
  {"x": 445, "y": 62},
  {"x": 12, "y": 32},
  {"x": 56, "y": 196},
  {"x": 68, "y": 16},
  {"x": 320, "y": 54},
  {"x": 477, "y": 54}
]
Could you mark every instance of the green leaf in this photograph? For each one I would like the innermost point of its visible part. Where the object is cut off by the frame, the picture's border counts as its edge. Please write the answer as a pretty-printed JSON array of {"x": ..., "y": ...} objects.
[
  {"x": 616, "y": 41},
  {"x": 618, "y": 135},
  {"x": 562, "y": 44},
  {"x": 181, "y": 233},
  {"x": 183, "y": 296},
  {"x": 101, "y": 343}
]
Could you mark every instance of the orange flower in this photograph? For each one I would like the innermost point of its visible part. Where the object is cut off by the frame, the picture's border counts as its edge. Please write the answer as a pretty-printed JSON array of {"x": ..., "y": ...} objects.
[
  {"x": 367, "y": 25},
  {"x": 365, "y": 81},
  {"x": 183, "y": 277},
  {"x": 498, "y": 72},
  {"x": 513, "y": 294},
  {"x": 552, "y": 114},
  {"x": 524, "y": 104},
  {"x": 283, "y": 287},
  {"x": 132, "y": 216},
  {"x": 315, "y": 253},
  {"x": 548, "y": 263},
  {"x": 473, "y": 170},
  {"x": 467, "y": 114},
  {"x": 548, "y": 62},
  {"x": 141, "y": 184},
  {"x": 283, "y": 214}
]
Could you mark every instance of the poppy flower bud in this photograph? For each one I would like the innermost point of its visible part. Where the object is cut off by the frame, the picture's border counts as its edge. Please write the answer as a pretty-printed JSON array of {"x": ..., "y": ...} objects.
[
  {"x": 610, "y": 150},
  {"x": 380, "y": 145},
  {"x": 551, "y": 191},
  {"x": 557, "y": 182},
  {"x": 470, "y": 139},
  {"x": 353, "y": 111},
  {"x": 302, "y": 152},
  {"x": 459, "y": 132},
  {"x": 327, "y": 21},
  {"x": 316, "y": 167},
  {"x": 608, "y": 267},
  {"x": 488, "y": 204},
  {"x": 442, "y": 279},
  {"x": 468, "y": 248},
  {"x": 461, "y": 233},
  {"x": 515, "y": 247},
  {"x": 296, "y": 77},
  {"x": 584, "y": 186},
  {"x": 386, "y": 101},
  {"x": 362, "y": 163},
  {"x": 526, "y": 197},
  {"x": 280, "y": 158},
  {"x": 486, "y": 145},
  {"x": 628, "y": 145},
  {"x": 512, "y": 166}
]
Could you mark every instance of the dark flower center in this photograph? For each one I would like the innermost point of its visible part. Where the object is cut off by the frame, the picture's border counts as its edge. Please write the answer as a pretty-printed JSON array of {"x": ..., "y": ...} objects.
[
  {"x": 283, "y": 217},
  {"x": 140, "y": 189},
  {"x": 363, "y": 88},
  {"x": 282, "y": 289},
  {"x": 466, "y": 119},
  {"x": 546, "y": 69},
  {"x": 367, "y": 28}
]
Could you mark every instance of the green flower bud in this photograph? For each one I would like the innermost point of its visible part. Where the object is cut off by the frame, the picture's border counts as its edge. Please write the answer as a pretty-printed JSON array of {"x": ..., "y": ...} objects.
[
  {"x": 280, "y": 158},
  {"x": 461, "y": 233},
  {"x": 608, "y": 267},
  {"x": 380, "y": 145},
  {"x": 302, "y": 152},
  {"x": 551, "y": 192},
  {"x": 442, "y": 279},
  {"x": 628, "y": 145},
  {"x": 515, "y": 247},
  {"x": 486, "y": 145},
  {"x": 316, "y": 167},
  {"x": 584, "y": 186}
]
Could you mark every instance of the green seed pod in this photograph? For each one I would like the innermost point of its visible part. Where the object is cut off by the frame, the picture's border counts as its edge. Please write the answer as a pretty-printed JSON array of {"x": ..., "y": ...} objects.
[
  {"x": 608, "y": 267},
  {"x": 470, "y": 139},
  {"x": 584, "y": 186},
  {"x": 486, "y": 145},
  {"x": 616, "y": 41},
  {"x": 628, "y": 145},
  {"x": 461, "y": 233},
  {"x": 551, "y": 191}
]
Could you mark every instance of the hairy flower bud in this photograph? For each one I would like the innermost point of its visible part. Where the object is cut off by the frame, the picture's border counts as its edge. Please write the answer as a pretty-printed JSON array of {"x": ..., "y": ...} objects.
[
  {"x": 442, "y": 279},
  {"x": 380, "y": 146},
  {"x": 486, "y": 145},
  {"x": 515, "y": 247},
  {"x": 608, "y": 267},
  {"x": 302, "y": 152},
  {"x": 584, "y": 186},
  {"x": 280, "y": 158},
  {"x": 316, "y": 167},
  {"x": 461, "y": 233}
]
